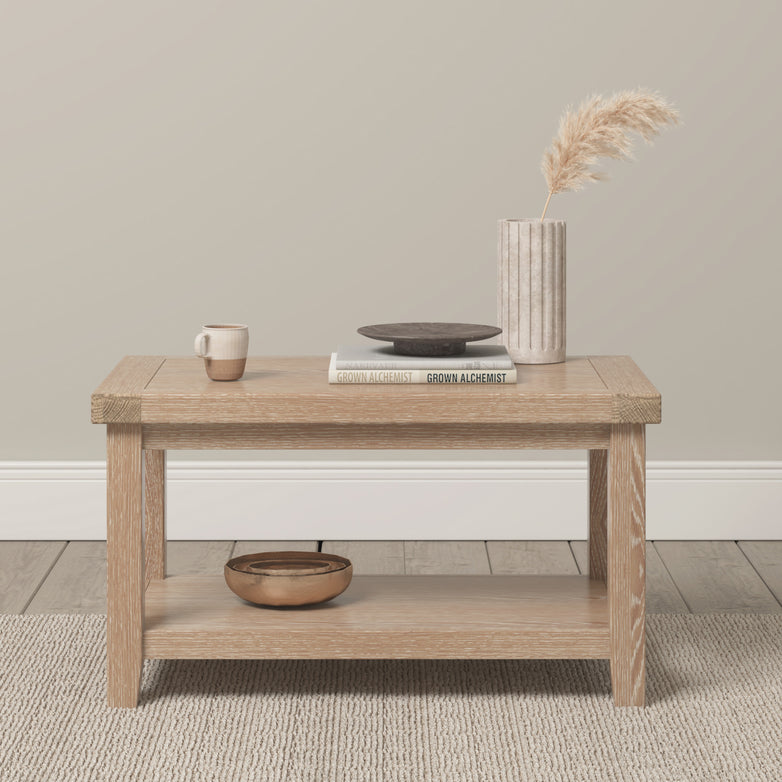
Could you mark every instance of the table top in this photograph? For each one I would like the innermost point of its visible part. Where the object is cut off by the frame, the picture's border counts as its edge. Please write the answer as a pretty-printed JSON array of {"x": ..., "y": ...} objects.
[{"x": 295, "y": 389}]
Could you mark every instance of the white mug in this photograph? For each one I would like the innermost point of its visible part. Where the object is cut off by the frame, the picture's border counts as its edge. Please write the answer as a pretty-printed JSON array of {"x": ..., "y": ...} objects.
[{"x": 223, "y": 346}]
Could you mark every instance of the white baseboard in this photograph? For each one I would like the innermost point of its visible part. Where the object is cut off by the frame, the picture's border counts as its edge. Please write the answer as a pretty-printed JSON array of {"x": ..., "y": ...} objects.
[{"x": 423, "y": 500}]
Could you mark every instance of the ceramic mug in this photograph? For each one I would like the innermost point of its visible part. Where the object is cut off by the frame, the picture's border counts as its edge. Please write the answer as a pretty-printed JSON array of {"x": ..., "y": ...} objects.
[{"x": 223, "y": 346}]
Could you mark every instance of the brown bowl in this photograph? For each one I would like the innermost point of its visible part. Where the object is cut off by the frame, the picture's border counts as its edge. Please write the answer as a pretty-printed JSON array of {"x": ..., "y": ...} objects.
[{"x": 288, "y": 578}]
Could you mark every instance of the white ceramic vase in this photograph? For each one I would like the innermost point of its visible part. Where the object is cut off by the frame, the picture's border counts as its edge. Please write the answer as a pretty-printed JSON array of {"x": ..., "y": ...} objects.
[{"x": 531, "y": 289}]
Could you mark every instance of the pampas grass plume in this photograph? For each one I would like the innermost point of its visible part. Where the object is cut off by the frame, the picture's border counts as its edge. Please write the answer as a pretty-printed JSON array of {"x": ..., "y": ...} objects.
[{"x": 601, "y": 128}]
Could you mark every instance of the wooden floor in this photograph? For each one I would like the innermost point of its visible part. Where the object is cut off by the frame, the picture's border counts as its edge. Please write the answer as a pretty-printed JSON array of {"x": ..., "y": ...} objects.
[{"x": 38, "y": 577}]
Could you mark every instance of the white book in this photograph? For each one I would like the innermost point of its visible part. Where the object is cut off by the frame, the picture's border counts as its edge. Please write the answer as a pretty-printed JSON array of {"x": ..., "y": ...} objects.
[
  {"x": 421, "y": 376},
  {"x": 368, "y": 356}
]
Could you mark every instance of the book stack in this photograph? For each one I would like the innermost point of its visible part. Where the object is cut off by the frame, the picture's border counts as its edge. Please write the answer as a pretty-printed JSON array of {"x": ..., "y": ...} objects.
[{"x": 480, "y": 364}]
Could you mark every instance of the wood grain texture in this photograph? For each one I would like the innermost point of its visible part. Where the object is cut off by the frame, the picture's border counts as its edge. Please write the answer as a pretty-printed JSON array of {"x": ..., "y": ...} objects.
[
  {"x": 766, "y": 557},
  {"x": 296, "y": 390},
  {"x": 447, "y": 557},
  {"x": 243, "y": 547},
  {"x": 24, "y": 565},
  {"x": 626, "y": 562},
  {"x": 125, "y": 560},
  {"x": 386, "y": 617},
  {"x": 118, "y": 398},
  {"x": 198, "y": 557},
  {"x": 155, "y": 514},
  {"x": 636, "y": 400},
  {"x": 662, "y": 596},
  {"x": 376, "y": 436},
  {"x": 370, "y": 557},
  {"x": 77, "y": 582},
  {"x": 531, "y": 557},
  {"x": 598, "y": 514},
  {"x": 715, "y": 576}
]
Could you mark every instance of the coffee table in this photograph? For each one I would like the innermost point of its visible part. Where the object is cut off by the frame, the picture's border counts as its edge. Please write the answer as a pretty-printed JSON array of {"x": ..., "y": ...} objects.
[{"x": 151, "y": 404}]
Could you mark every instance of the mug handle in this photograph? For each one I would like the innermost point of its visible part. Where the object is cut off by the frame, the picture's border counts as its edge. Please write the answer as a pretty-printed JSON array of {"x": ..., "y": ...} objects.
[{"x": 200, "y": 344}]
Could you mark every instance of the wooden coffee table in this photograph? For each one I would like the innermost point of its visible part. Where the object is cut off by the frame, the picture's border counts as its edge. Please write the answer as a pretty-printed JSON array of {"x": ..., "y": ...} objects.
[{"x": 151, "y": 404}]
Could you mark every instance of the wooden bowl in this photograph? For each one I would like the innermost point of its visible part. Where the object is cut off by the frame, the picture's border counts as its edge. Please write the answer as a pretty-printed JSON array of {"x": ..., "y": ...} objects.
[{"x": 288, "y": 578}]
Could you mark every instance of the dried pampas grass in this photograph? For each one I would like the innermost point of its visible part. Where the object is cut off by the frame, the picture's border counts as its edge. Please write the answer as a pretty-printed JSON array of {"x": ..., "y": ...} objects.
[{"x": 601, "y": 128}]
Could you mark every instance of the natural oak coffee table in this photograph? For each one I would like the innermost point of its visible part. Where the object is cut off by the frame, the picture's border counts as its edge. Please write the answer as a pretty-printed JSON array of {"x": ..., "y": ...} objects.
[{"x": 151, "y": 404}]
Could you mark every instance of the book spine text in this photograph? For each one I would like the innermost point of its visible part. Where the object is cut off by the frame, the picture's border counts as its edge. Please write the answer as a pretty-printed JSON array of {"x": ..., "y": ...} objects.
[{"x": 431, "y": 376}]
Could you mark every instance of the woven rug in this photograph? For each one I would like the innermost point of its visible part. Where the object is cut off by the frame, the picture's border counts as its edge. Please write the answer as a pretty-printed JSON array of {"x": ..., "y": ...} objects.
[{"x": 714, "y": 688}]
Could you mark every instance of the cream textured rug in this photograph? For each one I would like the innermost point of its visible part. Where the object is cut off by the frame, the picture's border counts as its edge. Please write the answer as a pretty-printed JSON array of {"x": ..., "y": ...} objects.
[{"x": 714, "y": 691}]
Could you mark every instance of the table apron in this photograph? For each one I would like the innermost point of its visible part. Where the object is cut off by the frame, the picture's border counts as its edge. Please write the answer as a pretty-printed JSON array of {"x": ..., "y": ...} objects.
[{"x": 375, "y": 436}]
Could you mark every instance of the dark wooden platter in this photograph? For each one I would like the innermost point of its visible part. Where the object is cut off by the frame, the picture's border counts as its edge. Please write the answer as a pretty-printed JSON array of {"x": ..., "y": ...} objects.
[{"x": 429, "y": 339}]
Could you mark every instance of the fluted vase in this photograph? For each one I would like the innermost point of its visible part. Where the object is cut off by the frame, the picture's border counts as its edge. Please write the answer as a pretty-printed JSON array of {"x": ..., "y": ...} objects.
[{"x": 531, "y": 289}]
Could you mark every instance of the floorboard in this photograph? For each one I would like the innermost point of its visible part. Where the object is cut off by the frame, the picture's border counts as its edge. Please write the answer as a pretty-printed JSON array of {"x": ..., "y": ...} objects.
[
  {"x": 446, "y": 557},
  {"x": 766, "y": 557},
  {"x": 662, "y": 596},
  {"x": 197, "y": 557},
  {"x": 531, "y": 557},
  {"x": 77, "y": 582},
  {"x": 259, "y": 546},
  {"x": 24, "y": 564},
  {"x": 370, "y": 557},
  {"x": 715, "y": 576},
  {"x": 55, "y": 577}
]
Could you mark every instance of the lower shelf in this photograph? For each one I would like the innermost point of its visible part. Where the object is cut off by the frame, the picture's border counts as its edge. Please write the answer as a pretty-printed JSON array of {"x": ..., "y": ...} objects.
[{"x": 384, "y": 617}]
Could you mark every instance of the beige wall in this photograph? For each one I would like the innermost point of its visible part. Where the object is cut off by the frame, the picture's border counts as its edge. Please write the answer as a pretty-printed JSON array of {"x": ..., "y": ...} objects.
[{"x": 308, "y": 168}]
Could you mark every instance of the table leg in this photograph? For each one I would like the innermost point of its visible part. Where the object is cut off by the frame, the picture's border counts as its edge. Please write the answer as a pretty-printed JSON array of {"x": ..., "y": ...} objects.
[
  {"x": 598, "y": 514},
  {"x": 125, "y": 559},
  {"x": 627, "y": 561},
  {"x": 155, "y": 514}
]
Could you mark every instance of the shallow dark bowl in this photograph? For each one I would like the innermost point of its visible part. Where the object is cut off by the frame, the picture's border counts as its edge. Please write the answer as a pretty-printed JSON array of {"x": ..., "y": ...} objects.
[{"x": 429, "y": 339}]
